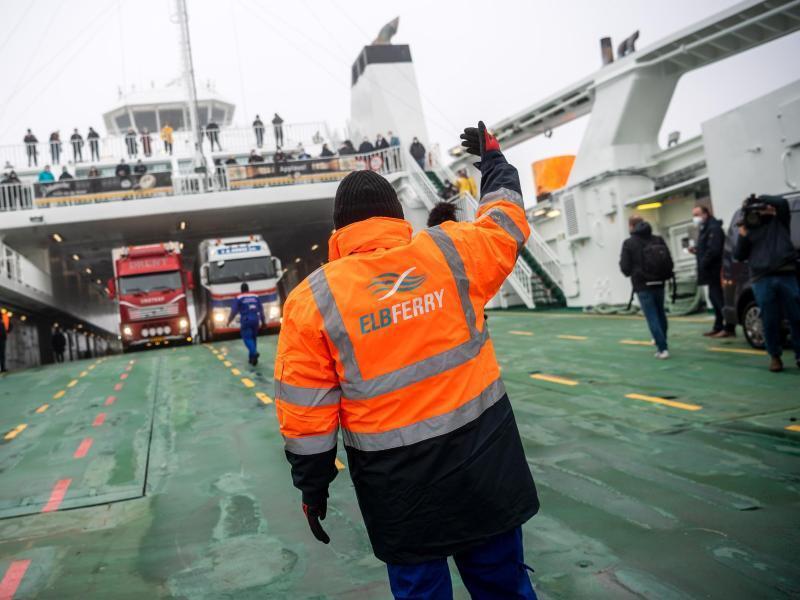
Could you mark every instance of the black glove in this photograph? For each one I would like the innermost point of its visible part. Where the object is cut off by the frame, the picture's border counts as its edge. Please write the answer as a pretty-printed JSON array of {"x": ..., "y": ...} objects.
[
  {"x": 478, "y": 141},
  {"x": 316, "y": 513}
]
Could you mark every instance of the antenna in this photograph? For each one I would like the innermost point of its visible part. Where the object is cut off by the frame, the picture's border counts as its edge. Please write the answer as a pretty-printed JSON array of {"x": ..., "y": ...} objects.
[{"x": 181, "y": 17}]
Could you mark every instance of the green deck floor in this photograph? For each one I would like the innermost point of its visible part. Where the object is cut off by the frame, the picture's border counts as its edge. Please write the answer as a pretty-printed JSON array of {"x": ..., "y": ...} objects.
[{"x": 184, "y": 492}]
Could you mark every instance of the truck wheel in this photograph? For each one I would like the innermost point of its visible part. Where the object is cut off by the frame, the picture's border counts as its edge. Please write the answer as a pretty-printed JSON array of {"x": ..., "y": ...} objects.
[{"x": 752, "y": 325}]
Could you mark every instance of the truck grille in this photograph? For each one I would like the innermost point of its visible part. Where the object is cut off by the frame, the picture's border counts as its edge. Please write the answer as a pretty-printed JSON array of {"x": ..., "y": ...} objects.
[{"x": 153, "y": 312}]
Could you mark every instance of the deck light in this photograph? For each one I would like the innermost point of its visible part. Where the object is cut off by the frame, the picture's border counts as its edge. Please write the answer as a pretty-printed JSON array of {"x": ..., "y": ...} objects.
[
  {"x": 183, "y": 225},
  {"x": 57, "y": 238},
  {"x": 540, "y": 212},
  {"x": 650, "y": 206},
  {"x": 315, "y": 246},
  {"x": 76, "y": 257},
  {"x": 88, "y": 271},
  {"x": 553, "y": 213},
  {"x": 297, "y": 260}
]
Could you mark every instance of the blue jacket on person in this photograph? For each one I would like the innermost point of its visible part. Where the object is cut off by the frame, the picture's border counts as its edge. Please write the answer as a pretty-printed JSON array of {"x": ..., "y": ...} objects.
[
  {"x": 249, "y": 309},
  {"x": 46, "y": 177}
]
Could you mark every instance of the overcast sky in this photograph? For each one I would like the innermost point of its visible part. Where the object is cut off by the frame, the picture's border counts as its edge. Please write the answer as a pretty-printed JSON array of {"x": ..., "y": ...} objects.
[{"x": 63, "y": 62}]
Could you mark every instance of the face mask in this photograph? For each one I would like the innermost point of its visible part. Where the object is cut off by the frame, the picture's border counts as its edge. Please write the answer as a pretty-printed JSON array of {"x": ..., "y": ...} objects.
[{"x": 697, "y": 220}]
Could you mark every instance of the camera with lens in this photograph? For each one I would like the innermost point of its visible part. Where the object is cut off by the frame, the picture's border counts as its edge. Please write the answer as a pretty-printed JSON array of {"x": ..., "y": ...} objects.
[{"x": 755, "y": 212}]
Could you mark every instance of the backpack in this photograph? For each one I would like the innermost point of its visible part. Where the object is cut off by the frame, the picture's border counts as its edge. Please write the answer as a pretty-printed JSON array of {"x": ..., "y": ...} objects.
[{"x": 656, "y": 261}]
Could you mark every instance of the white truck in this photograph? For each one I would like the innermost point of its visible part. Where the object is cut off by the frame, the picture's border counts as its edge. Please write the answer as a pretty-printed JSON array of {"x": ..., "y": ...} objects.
[{"x": 223, "y": 265}]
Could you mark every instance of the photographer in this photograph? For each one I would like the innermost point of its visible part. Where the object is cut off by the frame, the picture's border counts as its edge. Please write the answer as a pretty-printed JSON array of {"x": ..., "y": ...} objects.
[{"x": 765, "y": 242}]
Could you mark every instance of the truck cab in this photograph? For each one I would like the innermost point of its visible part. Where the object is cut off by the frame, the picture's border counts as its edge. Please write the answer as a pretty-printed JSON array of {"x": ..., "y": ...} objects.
[{"x": 223, "y": 265}]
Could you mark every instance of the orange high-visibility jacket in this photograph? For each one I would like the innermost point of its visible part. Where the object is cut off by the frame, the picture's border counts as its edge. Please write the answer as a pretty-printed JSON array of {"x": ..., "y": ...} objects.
[{"x": 388, "y": 342}]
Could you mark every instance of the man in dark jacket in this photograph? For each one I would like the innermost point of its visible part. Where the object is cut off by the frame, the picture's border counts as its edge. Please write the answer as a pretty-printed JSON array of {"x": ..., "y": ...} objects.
[
  {"x": 59, "y": 343},
  {"x": 5, "y": 328},
  {"x": 123, "y": 169},
  {"x": 65, "y": 175},
  {"x": 708, "y": 251},
  {"x": 277, "y": 129},
  {"x": 417, "y": 151},
  {"x": 77, "y": 146},
  {"x": 258, "y": 129},
  {"x": 94, "y": 143},
  {"x": 326, "y": 152},
  {"x": 347, "y": 148},
  {"x": 55, "y": 147},
  {"x": 765, "y": 242},
  {"x": 366, "y": 146},
  {"x": 646, "y": 260},
  {"x": 31, "y": 148},
  {"x": 212, "y": 131}
]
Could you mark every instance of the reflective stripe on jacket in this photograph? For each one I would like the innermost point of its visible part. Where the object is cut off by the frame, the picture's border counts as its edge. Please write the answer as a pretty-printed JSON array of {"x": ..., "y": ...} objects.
[{"x": 389, "y": 343}]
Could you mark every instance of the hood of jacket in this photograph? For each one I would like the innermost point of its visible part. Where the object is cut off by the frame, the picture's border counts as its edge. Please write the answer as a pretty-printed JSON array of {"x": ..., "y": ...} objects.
[
  {"x": 642, "y": 229},
  {"x": 368, "y": 235}
]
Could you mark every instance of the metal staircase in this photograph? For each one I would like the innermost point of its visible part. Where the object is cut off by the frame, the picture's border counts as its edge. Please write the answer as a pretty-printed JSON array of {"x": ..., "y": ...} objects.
[{"x": 536, "y": 277}]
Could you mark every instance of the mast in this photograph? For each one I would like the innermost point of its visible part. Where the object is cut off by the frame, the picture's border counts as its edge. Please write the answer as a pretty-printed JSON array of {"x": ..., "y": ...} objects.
[{"x": 181, "y": 17}]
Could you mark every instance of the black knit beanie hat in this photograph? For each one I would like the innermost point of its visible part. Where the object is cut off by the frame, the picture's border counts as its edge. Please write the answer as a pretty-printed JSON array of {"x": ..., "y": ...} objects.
[{"x": 364, "y": 194}]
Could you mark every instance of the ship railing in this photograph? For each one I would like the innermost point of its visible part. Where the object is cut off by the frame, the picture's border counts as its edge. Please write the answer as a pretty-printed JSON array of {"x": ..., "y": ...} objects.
[
  {"x": 16, "y": 196},
  {"x": 233, "y": 140}
]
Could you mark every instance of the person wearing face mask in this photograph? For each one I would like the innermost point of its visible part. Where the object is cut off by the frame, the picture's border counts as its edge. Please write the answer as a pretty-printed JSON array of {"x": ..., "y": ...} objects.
[{"x": 708, "y": 251}]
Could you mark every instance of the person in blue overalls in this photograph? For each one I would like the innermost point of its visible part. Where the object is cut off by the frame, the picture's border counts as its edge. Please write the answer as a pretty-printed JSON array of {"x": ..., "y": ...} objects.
[{"x": 251, "y": 317}]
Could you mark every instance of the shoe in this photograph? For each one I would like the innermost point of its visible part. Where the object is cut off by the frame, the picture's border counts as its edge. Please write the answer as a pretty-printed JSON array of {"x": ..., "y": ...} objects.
[
  {"x": 254, "y": 362},
  {"x": 776, "y": 364},
  {"x": 662, "y": 355},
  {"x": 711, "y": 333},
  {"x": 724, "y": 334}
]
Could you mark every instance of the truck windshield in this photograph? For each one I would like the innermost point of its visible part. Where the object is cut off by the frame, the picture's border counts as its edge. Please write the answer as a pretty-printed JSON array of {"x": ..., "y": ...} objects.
[
  {"x": 241, "y": 269},
  {"x": 150, "y": 282}
]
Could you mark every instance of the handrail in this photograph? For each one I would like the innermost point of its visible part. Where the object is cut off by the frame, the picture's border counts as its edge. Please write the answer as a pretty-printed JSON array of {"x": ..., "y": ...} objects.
[
  {"x": 521, "y": 277},
  {"x": 16, "y": 196}
]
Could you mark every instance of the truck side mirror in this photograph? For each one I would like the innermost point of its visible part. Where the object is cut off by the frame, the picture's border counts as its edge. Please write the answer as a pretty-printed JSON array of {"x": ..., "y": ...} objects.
[
  {"x": 276, "y": 262},
  {"x": 111, "y": 288},
  {"x": 204, "y": 274},
  {"x": 189, "y": 279}
]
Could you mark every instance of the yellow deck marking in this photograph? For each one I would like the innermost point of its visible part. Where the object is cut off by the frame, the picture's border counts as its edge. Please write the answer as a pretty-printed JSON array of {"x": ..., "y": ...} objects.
[
  {"x": 514, "y": 332},
  {"x": 554, "y": 379},
  {"x": 636, "y": 343},
  {"x": 737, "y": 350},
  {"x": 92, "y": 366},
  {"x": 72, "y": 383},
  {"x": 248, "y": 382},
  {"x": 220, "y": 357},
  {"x": 236, "y": 371},
  {"x": 228, "y": 363},
  {"x": 573, "y": 337},
  {"x": 59, "y": 394},
  {"x": 264, "y": 398},
  {"x": 15, "y": 432},
  {"x": 793, "y": 428},
  {"x": 84, "y": 373},
  {"x": 339, "y": 464},
  {"x": 664, "y": 401},
  {"x": 42, "y": 408}
]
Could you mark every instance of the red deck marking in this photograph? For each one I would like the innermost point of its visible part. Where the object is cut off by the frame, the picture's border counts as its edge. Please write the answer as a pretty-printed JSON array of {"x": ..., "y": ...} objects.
[
  {"x": 99, "y": 420},
  {"x": 83, "y": 448},
  {"x": 12, "y": 579},
  {"x": 57, "y": 495},
  {"x": 118, "y": 387},
  {"x": 124, "y": 376},
  {"x": 110, "y": 400},
  {"x": 129, "y": 367}
]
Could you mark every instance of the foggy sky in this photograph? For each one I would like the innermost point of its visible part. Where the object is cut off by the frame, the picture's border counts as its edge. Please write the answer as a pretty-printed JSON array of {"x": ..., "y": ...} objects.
[{"x": 63, "y": 62}]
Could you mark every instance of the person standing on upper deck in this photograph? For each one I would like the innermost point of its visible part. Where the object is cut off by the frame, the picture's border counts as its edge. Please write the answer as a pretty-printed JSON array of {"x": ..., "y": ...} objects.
[
  {"x": 212, "y": 131},
  {"x": 65, "y": 175},
  {"x": 31, "y": 149},
  {"x": 94, "y": 143},
  {"x": 55, "y": 147},
  {"x": 277, "y": 129},
  {"x": 77, "y": 146},
  {"x": 147, "y": 142},
  {"x": 258, "y": 129},
  {"x": 417, "y": 151},
  {"x": 130, "y": 143},
  {"x": 167, "y": 137}
]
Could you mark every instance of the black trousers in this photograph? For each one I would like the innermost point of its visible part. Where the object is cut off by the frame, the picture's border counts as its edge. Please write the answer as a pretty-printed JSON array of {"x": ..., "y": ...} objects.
[
  {"x": 32, "y": 155},
  {"x": 2, "y": 354},
  {"x": 77, "y": 151},
  {"x": 278, "y": 134},
  {"x": 94, "y": 147},
  {"x": 59, "y": 355},
  {"x": 717, "y": 303},
  {"x": 55, "y": 153}
]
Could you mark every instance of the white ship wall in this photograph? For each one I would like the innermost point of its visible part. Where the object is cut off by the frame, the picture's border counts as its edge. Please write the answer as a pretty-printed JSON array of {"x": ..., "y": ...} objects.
[{"x": 754, "y": 148}]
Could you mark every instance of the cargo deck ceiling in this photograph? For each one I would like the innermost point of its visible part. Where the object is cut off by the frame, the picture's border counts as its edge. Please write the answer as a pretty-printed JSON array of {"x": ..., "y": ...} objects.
[{"x": 290, "y": 229}]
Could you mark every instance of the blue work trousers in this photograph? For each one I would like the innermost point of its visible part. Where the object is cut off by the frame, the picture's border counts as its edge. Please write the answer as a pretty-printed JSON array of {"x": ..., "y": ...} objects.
[
  {"x": 495, "y": 570},
  {"x": 652, "y": 303},
  {"x": 249, "y": 333},
  {"x": 779, "y": 295}
]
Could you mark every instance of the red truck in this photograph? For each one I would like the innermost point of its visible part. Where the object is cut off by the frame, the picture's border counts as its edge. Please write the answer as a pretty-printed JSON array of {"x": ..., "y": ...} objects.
[{"x": 151, "y": 285}]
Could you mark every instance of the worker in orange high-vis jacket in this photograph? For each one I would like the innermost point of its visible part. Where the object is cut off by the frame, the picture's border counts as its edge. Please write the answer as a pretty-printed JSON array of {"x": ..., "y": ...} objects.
[{"x": 388, "y": 343}]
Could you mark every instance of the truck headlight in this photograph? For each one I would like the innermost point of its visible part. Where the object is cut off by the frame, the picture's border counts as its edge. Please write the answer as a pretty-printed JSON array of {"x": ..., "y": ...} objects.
[
  {"x": 274, "y": 312},
  {"x": 145, "y": 333},
  {"x": 219, "y": 316},
  {"x": 167, "y": 329},
  {"x": 127, "y": 331},
  {"x": 160, "y": 330},
  {"x": 183, "y": 324}
]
